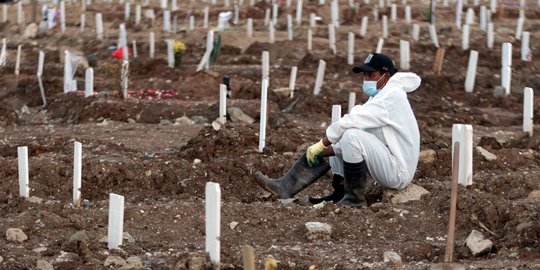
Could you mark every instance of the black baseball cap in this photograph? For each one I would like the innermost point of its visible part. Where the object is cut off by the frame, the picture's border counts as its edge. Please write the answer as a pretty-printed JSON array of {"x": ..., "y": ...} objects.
[{"x": 376, "y": 62}]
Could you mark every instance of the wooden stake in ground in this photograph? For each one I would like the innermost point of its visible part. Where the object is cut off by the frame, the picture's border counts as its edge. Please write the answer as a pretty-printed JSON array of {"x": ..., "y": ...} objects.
[
  {"x": 22, "y": 157},
  {"x": 3, "y": 53},
  {"x": 262, "y": 125},
  {"x": 41, "y": 61},
  {"x": 319, "y": 78},
  {"x": 124, "y": 78},
  {"x": 292, "y": 80},
  {"x": 89, "y": 82},
  {"x": 18, "y": 61},
  {"x": 222, "y": 103},
  {"x": 528, "y": 110},
  {"x": 248, "y": 256},
  {"x": 448, "y": 255},
  {"x": 77, "y": 173},
  {"x": 439, "y": 60},
  {"x": 213, "y": 221},
  {"x": 115, "y": 229}
]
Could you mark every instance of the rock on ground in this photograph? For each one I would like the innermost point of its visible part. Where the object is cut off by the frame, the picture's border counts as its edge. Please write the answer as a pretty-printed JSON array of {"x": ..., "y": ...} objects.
[
  {"x": 478, "y": 244},
  {"x": 318, "y": 231},
  {"x": 486, "y": 154},
  {"x": 44, "y": 265},
  {"x": 392, "y": 256},
  {"x": 237, "y": 115},
  {"x": 16, "y": 235},
  {"x": 427, "y": 156},
  {"x": 115, "y": 261},
  {"x": 410, "y": 193}
]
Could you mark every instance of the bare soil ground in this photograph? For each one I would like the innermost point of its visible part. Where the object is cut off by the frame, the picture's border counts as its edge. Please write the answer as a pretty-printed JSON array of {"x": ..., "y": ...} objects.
[{"x": 159, "y": 152}]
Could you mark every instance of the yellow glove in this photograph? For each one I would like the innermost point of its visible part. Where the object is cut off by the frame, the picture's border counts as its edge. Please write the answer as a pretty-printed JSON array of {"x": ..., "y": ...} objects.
[{"x": 313, "y": 152}]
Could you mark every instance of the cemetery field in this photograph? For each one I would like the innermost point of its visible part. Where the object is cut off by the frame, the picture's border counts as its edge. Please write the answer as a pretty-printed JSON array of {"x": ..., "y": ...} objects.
[{"x": 158, "y": 140}]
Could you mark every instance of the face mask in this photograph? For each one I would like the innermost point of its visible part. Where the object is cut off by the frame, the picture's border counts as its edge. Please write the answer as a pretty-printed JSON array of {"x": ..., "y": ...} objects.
[{"x": 370, "y": 87}]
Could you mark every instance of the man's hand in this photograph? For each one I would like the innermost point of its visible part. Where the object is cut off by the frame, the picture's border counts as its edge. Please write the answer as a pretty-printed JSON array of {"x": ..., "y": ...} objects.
[{"x": 313, "y": 152}]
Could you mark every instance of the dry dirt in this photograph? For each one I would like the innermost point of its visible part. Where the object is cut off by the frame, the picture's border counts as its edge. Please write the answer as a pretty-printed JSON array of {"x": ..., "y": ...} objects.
[{"x": 137, "y": 148}]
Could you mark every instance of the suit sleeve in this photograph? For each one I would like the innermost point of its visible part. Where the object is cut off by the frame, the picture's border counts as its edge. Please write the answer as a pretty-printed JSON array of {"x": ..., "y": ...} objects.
[{"x": 370, "y": 115}]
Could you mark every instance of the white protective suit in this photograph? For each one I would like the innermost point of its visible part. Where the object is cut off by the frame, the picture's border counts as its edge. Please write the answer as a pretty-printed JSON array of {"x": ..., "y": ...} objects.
[{"x": 383, "y": 132}]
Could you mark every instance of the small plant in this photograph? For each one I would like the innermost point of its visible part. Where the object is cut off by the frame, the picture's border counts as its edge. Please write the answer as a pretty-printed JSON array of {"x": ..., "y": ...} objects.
[{"x": 178, "y": 47}]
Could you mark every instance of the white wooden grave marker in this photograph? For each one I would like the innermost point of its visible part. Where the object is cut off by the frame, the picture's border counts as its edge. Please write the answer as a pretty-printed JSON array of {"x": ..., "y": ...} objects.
[
  {"x": 312, "y": 20},
  {"x": 274, "y": 14},
  {"x": 380, "y": 44},
  {"x": 464, "y": 135},
  {"x": 236, "y": 14},
  {"x": 483, "y": 18},
  {"x": 152, "y": 44},
  {"x": 519, "y": 28},
  {"x": 20, "y": 13},
  {"x": 5, "y": 13},
  {"x": 267, "y": 17},
  {"x": 471, "y": 71},
  {"x": 334, "y": 12},
  {"x": 249, "y": 27},
  {"x": 41, "y": 60},
  {"x": 528, "y": 110},
  {"x": 292, "y": 80},
  {"x": 320, "y": 77},
  {"x": 265, "y": 66},
  {"x": 393, "y": 13},
  {"x": 262, "y": 125},
  {"x": 416, "y": 32},
  {"x": 289, "y": 27},
  {"x": 222, "y": 103},
  {"x": 99, "y": 26},
  {"x": 352, "y": 101},
  {"x": 205, "y": 19},
  {"x": 170, "y": 53},
  {"x": 68, "y": 72},
  {"x": 18, "y": 61},
  {"x": 62, "y": 16},
  {"x": 408, "y": 17},
  {"x": 271, "y": 33},
  {"x": 332, "y": 38},
  {"x": 299, "y": 12},
  {"x": 490, "y": 37},
  {"x": 134, "y": 48},
  {"x": 525, "y": 50},
  {"x": 83, "y": 22},
  {"x": 350, "y": 49},
  {"x": 77, "y": 173},
  {"x": 213, "y": 221},
  {"x": 138, "y": 14},
  {"x": 167, "y": 21},
  {"x": 24, "y": 184},
  {"x": 89, "y": 82},
  {"x": 493, "y": 6},
  {"x": 336, "y": 113},
  {"x": 469, "y": 17},
  {"x": 404, "y": 53},
  {"x": 363, "y": 26},
  {"x": 115, "y": 229},
  {"x": 506, "y": 64},
  {"x": 459, "y": 11},
  {"x": 465, "y": 37},
  {"x": 309, "y": 40},
  {"x": 384, "y": 26},
  {"x": 127, "y": 11},
  {"x": 433, "y": 35},
  {"x": 124, "y": 77}
]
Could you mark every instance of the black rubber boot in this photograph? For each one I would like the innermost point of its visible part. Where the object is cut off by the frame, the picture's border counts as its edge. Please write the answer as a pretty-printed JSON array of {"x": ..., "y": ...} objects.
[
  {"x": 299, "y": 176},
  {"x": 355, "y": 183},
  {"x": 336, "y": 196}
]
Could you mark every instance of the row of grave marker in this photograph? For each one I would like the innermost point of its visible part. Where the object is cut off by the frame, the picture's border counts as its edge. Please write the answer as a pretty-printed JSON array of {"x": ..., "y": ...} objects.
[{"x": 116, "y": 204}]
